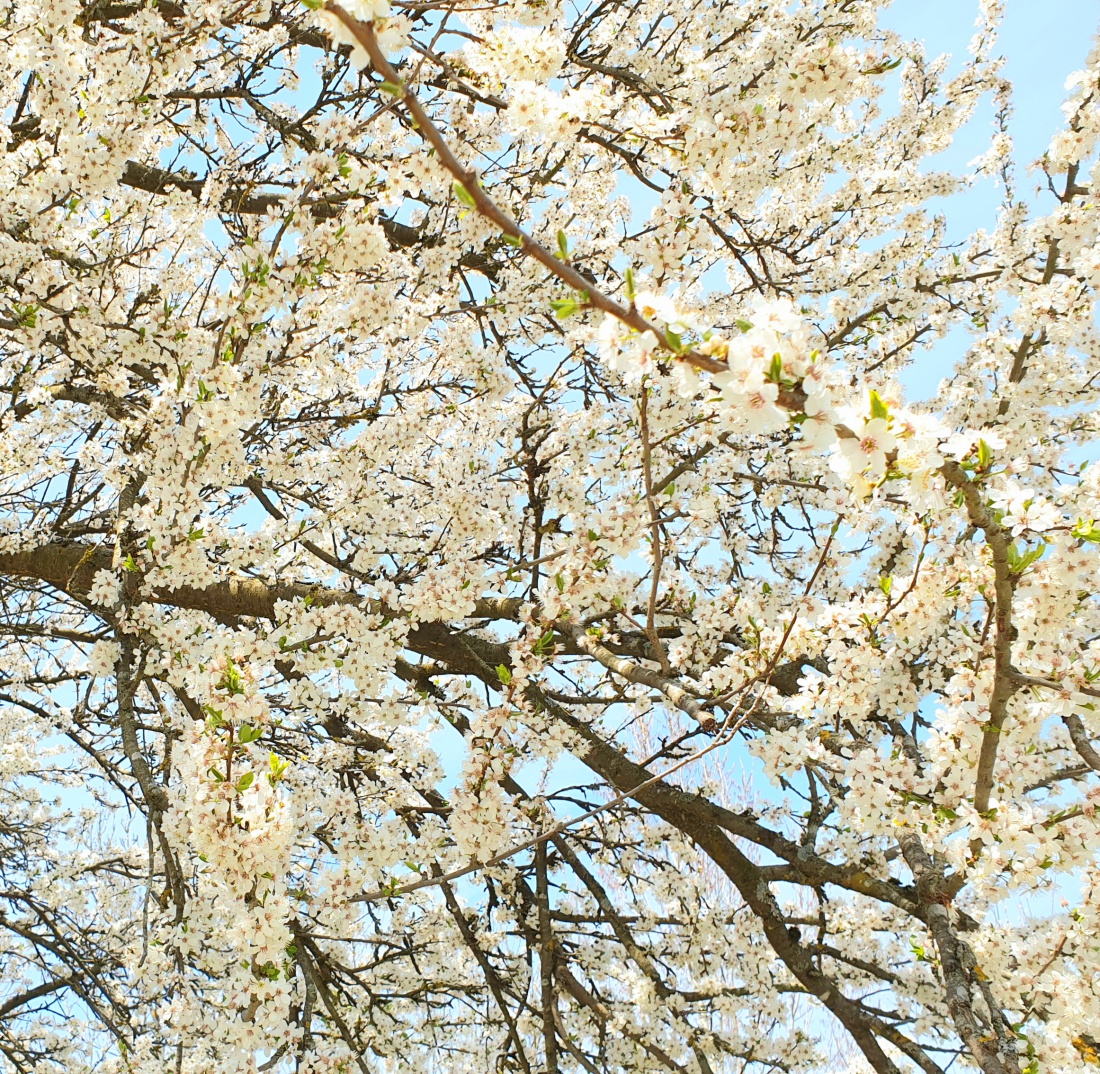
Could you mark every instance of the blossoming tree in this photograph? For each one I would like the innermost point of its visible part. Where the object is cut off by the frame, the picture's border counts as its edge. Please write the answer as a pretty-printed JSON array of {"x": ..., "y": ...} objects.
[{"x": 440, "y": 447}]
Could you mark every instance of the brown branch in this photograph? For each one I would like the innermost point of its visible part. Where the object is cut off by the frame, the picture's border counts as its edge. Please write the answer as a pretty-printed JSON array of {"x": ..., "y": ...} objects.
[
  {"x": 1051, "y": 684},
  {"x": 613, "y": 918},
  {"x": 1081, "y": 743},
  {"x": 546, "y": 959},
  {"x": 310, "y": 964},
  {"x": 491, "y": 978},
  {"x": 241, "y": 199},
  {"x": 1005, "y": 680},
  {"x": 643, "y": 676},
  {"x": 1073, "y": 722},
  {"x": 655, "y": 534},
  {"x": 71, "y": 566},
  {"x": 605, "y": 1016},
  {"x": 956, "y": 961},
  {"x": 23, "y": 998}
]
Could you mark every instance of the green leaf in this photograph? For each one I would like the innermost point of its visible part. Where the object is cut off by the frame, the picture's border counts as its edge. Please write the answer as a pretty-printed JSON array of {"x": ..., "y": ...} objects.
[
  {"x": 744, "y": 326},
  {"x": 513, "y": 240},
  {"x": 563, "y": 245},
  {"x": 985, "y": 455},
  {"x": 879, "y": 409},
  {"x": 631, "y": 291},
  {"x": 463, "y": 195},
  {"x": 885, "y": 583},
  {"x": 1018, "y": 561},
  {"x": 775, "y": 370},
  {"x": 248, "y": 733},
  {"x": 231, "y": 681},
  {"x": 559, "y": 581},
  {"x": 245, "y": 781},
  {"x": 1087, "y": 530},
  {"x": 395, "y": 89},
  {"x": 196, "y": 533},
  {"x": 564, "y": 307},
  {"x": 675, "y": 341},
  {"x": 129, "y": 564},
  {"x": 27, "y": 316},
  {"x": 276, "y": 768},
  {"x": 504, "y": 674},
  {"x": 314, "y": 5}
]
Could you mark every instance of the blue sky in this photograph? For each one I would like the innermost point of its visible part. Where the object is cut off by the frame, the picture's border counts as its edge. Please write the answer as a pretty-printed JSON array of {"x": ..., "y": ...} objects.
[{"x": 1043, "y": 42}]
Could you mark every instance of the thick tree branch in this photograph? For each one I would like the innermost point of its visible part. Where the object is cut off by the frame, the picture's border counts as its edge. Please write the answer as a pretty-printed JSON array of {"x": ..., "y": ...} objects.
[{"x": 1005, "y": 680}]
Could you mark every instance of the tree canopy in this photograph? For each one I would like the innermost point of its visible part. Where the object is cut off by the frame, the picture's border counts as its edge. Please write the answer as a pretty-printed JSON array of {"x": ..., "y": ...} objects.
[{"x": 474, "y": 593}]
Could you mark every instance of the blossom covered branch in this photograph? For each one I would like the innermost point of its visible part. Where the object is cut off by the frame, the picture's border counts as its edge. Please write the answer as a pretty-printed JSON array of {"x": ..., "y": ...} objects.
[{"x": 474, "y": 591}]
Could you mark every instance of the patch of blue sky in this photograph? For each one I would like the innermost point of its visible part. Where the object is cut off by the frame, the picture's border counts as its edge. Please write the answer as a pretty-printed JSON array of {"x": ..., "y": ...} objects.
[{"x": 1043, "y": 44}]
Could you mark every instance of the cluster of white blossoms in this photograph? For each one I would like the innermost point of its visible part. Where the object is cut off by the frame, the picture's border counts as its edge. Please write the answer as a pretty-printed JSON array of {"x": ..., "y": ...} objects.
[
  {"x": 776, "y": 379},
  {"x": 484, "y": 814},
  {"x": 824, "y": 72},
  {"x": 537, "y": 113},
  {"x": 528, "y": 53},
  {"x": 235, "y": 820},
  {"x": 390, "y": 30}
]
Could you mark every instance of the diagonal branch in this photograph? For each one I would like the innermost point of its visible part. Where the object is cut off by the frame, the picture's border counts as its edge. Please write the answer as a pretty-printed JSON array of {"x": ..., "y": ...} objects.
[{"x": 643, "y": 676}]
